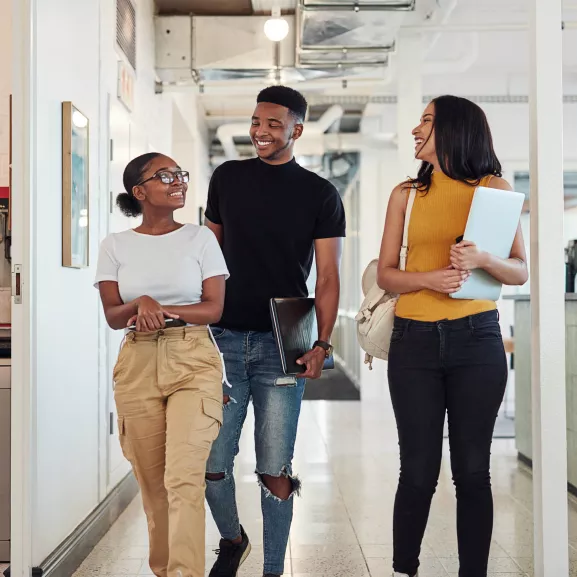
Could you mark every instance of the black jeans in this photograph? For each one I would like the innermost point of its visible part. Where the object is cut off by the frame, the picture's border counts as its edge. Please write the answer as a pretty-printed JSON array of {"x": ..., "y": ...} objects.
[{"x": 456, "y": 367}]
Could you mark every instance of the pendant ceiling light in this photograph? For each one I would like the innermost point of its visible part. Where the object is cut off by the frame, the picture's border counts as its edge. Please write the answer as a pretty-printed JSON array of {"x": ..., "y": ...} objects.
[{"x": 276, "y": 28}]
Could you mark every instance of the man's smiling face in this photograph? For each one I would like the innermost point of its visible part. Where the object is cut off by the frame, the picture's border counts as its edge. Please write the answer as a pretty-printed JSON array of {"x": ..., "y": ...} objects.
[{"x": 273, "y": 131}]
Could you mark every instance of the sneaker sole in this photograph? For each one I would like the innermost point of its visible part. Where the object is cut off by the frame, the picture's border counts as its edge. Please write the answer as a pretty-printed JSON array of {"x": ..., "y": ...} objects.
[{"x": 244, "y": 556}]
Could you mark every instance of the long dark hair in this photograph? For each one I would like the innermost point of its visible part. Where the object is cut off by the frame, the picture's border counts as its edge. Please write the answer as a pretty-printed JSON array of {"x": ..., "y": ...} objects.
[
  {"x": 126, "y": 201},
  {"x": 463, "y": 143}
]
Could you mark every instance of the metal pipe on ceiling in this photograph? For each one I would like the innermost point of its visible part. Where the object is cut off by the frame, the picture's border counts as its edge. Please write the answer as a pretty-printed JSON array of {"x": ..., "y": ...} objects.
[
  {"x": 327, "y": 5},
  {"x": 345, "y": 49},
  {"x": 471, "y": 27},
  {"x": 316, "y": 64}
]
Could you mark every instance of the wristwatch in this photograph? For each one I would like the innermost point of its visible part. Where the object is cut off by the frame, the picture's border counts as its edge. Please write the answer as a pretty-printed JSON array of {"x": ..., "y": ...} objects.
[{"x": 328, "y": 348}]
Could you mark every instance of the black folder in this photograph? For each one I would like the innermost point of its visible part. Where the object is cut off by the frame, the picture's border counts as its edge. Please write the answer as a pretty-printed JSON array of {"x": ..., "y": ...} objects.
[{"x": 294, "y": 326}]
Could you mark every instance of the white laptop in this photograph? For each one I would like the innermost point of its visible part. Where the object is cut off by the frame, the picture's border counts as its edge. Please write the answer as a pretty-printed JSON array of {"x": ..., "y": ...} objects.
[{"x": 492, "y": 225}]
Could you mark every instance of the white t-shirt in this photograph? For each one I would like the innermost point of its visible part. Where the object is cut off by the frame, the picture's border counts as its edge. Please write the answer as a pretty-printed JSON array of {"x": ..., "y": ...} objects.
[{"x": 169, "y": 268}]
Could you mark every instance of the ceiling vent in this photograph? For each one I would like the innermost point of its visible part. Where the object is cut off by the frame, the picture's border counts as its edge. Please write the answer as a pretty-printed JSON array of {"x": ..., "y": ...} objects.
[
  {"x": 348, "y": 33},
  {"x": 126, "y": 30}
]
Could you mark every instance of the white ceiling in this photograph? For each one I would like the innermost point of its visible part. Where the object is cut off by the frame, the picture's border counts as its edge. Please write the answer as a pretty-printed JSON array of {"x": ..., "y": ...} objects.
[{"x": 500, "y": 65}]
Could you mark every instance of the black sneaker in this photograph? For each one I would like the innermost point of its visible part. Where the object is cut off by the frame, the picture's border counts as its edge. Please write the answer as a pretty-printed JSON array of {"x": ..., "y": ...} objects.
[{"x": 230, "y": 557}]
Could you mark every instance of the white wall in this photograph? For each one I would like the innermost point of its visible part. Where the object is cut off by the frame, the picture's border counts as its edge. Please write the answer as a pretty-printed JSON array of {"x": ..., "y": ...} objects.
[
  {"x": 66, "y": 343},
  {"x": 510, "y": 128},
  {"x": 191, "y": 149},
  {"x": 76, "y": 61}
]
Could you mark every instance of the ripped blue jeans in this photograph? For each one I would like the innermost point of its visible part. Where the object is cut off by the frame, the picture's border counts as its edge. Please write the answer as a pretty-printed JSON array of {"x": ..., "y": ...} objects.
[{"x": 254, "y": 370}]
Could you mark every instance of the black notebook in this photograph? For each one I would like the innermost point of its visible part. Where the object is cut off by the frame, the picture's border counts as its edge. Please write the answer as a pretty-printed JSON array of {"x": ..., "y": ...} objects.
[{"x": 294, "y": 324}]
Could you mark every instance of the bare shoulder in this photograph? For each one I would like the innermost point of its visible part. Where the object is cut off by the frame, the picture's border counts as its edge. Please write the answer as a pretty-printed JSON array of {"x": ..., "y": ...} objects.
[
  {"x": 499, "y": 183},
  {"x": 400, "y": 195},
  {"x": 403, "y": 188}
]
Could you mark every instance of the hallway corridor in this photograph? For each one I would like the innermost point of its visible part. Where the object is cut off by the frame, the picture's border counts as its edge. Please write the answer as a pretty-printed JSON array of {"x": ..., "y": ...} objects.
[{"x": 347, "y": 458}]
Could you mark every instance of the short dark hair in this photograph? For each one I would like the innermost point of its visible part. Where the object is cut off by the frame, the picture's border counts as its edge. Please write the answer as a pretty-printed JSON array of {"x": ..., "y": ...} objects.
[
  {"x": 287, "y": 97},
  {"x": 463, "y": 143},
  {"x": 126, "y": 201}
]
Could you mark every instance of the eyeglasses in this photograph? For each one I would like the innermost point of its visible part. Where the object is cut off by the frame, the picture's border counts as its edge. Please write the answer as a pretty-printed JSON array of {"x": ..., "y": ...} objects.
[{"x": 168, "y": 177}]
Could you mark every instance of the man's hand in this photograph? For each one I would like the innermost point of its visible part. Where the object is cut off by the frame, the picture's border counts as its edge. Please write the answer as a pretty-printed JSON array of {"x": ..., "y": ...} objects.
[{"x": 314, "y": 361}]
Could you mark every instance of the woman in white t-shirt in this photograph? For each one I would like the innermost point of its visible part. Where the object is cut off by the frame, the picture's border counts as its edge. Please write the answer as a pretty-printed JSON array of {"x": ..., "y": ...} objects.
[{"x": 164, "y": 282}]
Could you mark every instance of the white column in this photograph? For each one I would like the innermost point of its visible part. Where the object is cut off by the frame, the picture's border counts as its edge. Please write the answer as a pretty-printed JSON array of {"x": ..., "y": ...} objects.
[
  {"x": 409, "y": 66},
  {"x": 383, "y": 169},
  {"x": 378, "y": 177},
  {"x": 547, "y": 292}
]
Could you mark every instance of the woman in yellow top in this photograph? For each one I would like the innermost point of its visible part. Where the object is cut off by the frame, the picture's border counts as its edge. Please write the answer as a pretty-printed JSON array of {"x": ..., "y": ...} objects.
[{"x": 446, "y": 355}]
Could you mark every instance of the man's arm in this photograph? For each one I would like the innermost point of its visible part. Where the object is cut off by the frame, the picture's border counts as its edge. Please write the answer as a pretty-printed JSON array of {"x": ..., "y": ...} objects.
[
  {"x": 328, "y": 253},
  {"x": 328, "y": 286},
  {"x": 216, "y": 229},
  {"x": 213, "y": 219}
]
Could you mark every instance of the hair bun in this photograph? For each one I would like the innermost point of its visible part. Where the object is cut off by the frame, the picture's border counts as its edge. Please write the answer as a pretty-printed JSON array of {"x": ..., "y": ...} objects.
[{"x": 129, "y": 205}]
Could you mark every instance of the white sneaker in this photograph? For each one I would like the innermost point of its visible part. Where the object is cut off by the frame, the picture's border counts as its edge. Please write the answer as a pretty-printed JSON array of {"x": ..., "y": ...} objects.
[{"x": 395, "y": 574}]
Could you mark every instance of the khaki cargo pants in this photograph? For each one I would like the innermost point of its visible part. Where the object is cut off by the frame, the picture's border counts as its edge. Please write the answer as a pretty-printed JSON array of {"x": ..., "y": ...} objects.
[{"x": 168, "y": 392}]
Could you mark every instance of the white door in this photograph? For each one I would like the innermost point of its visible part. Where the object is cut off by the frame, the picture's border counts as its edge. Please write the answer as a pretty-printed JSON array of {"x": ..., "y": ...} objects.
[{"x": 120, "y": 155}]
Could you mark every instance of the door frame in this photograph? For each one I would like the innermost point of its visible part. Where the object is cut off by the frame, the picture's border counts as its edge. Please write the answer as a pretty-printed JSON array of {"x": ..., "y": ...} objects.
[
  {"x": 113, "y": 475},
  {"x": 24, "y": 189}
]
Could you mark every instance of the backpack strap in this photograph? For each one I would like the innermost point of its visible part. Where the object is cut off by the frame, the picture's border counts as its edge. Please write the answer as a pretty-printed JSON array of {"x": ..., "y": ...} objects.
[{"x": 405, "y": 245}]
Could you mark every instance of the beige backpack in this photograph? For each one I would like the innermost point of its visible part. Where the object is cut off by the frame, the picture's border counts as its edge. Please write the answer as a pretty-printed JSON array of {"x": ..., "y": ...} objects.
[{"x": 377, "y": 313}]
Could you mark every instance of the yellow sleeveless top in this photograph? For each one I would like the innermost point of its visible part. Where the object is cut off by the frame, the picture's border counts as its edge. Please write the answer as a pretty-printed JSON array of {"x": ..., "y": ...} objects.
[{"x": 437, "y": 219}]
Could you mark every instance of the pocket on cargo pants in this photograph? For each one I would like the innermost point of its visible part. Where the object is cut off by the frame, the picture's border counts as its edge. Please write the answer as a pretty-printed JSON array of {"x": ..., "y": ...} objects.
[
  {"x": 205, "y": 429},
  {"x": 124, "y": 440}
]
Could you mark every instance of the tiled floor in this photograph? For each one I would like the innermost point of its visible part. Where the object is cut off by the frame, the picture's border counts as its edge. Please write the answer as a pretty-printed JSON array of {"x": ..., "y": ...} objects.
[{"x": 347, "y": 459}]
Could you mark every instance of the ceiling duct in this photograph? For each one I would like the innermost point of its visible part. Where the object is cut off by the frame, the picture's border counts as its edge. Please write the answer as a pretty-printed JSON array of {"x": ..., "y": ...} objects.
[
  {"x": 342, "y": 59},
  {"x": 187, "y": 46},
  {"x": 190, "y": 50},
  {"x": 358, "y": 5},
  {"x": 349, "y": 34}
]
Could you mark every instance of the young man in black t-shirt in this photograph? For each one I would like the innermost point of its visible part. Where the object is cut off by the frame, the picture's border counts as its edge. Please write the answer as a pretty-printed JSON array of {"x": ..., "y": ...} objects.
[{"x": 270, "y": 216}]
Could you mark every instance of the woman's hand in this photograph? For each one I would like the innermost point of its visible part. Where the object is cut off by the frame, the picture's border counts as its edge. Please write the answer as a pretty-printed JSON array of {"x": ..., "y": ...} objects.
[
  {"x": 465, "y": 256},
  {"x": 150, "y": 317},
  {"x": 446, "y": 280}
]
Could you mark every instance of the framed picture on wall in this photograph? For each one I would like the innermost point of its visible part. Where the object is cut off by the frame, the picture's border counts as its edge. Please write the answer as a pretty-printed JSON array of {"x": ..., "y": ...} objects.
[{"x": 75, "y": 187}]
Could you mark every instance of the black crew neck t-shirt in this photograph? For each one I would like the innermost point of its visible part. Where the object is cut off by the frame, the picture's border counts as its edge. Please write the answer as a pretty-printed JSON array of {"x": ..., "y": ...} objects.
[{"x": 271, "y": 215}]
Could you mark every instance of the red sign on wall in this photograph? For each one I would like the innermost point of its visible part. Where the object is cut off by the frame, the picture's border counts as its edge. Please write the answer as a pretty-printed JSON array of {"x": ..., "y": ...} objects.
[{"x": 4, "y": 198}]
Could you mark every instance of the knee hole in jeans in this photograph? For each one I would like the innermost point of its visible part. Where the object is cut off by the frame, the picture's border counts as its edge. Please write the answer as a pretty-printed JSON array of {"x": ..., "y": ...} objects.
[
  {"x": 215, "y": 476},
  {"x": 281, "y": 487}
]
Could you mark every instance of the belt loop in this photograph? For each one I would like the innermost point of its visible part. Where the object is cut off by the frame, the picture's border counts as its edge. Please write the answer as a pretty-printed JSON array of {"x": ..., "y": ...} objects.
[
  {"x": 471, "y": 323},
  {"x": 130, "y": 337}
]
